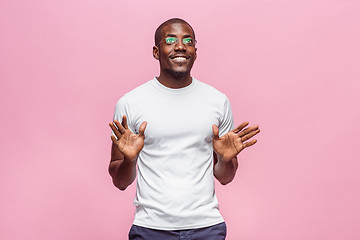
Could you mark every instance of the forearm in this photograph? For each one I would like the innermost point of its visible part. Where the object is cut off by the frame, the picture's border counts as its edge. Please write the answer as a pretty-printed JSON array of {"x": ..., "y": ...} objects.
[
  {"x": 123, "y": 172},
  {"x": 225, "y": 171}
]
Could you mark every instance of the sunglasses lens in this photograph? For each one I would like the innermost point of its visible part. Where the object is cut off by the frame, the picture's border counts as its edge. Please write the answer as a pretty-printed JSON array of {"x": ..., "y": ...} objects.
[
  {"x": 188, "y": 41},
  {"x": 170, "y": 40}
]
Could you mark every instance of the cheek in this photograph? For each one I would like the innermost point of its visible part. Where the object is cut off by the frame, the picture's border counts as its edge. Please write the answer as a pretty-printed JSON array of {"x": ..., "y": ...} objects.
[
  {"x": 164, "y": 57},
  {"x": 165, "y": 51}
]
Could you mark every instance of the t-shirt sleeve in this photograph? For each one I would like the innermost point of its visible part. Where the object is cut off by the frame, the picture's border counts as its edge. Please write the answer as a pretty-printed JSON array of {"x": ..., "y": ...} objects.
[
  {"x": 227, "y": 122},
  {"x": 121, "y": 109}
]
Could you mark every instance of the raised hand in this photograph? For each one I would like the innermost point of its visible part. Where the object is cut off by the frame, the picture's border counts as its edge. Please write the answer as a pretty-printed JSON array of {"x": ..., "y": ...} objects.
[
  {"x": 232, "y": 143},
  {"x": 129, "y": 144}
]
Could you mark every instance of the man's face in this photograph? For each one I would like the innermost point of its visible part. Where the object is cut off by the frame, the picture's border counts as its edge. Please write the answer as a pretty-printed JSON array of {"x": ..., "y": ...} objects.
[{"x": 176, "y": 59}]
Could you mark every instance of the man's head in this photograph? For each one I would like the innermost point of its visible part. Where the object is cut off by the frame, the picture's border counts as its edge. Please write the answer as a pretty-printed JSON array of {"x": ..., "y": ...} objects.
[{"x": 175, "y": 47}]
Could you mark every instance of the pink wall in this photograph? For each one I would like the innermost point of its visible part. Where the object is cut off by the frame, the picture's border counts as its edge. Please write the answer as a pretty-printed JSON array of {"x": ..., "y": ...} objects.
[{"x": 293, "y": 67}]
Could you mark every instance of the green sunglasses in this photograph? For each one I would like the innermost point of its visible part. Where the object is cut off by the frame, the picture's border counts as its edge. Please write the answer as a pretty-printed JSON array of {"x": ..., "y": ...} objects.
[{"x": 174, "y": 40}]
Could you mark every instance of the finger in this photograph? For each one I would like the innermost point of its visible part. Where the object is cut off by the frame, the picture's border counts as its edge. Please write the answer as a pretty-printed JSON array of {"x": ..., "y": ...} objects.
[
  {"x": 240, "y": 127},
  {"x": 124, "y": 122},
  {"x": 115, "y": 130},
  {"x": 248, "y": 144},
  {"x": 250, "y": 135},
  {"x": 113, "y": 139},
  {"x": 142, "y": 129},
  {"x": 215, "y": 132},
  {"x": 247, "y": 130},
  {"x": 119, "y": 126}
]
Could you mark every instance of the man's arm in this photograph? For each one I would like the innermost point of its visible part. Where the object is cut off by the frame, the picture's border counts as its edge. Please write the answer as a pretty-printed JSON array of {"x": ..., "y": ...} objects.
[
  {"x": 125, "y": 149},
  {"x": 224, "y": 171},
  {"x": 122, "y": 172},
  {"x": 227, "y": 147}
]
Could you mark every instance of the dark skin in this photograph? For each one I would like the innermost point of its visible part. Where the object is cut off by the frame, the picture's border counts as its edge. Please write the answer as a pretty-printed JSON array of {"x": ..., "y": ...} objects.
[{"x": 175, "y": 74}]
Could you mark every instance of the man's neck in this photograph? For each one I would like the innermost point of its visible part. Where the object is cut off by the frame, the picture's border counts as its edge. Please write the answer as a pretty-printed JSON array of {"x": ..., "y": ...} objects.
[{"x": 175, "y": 82}]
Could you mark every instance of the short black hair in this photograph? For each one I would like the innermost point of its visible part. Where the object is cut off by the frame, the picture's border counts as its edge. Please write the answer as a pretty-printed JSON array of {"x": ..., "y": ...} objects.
[{"x": 170, "y": 21}]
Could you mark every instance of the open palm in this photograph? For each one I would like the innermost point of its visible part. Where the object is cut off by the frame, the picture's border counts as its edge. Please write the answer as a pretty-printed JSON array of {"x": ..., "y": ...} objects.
[
  {"x": 233, "y": 142},
  {"x": 129, "y": 144}
]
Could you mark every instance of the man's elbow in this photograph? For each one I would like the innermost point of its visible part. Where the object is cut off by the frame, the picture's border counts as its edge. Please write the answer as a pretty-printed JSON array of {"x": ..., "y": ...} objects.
[
  {"x": 122, "y": 187},
  {"x": 225, "y": 181}
]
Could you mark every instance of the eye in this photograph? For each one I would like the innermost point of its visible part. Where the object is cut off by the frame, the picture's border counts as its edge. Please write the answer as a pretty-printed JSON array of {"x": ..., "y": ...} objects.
[
  {"x": 171, "y": 40},
  {"x": 188, "y": 41}
]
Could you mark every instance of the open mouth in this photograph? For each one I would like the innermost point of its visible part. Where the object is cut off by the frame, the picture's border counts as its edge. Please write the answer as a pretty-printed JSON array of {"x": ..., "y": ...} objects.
[{"x": 179, "y": 59}]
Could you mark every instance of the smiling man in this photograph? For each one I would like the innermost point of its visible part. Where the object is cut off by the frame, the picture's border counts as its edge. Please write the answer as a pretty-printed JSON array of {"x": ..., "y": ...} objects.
[{"x": 179, "y": 132}]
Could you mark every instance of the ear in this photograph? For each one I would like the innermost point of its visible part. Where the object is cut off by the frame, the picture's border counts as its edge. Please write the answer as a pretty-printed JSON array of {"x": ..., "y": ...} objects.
[
  {"x": 156, "y": 52},
  {"x": 195, "y": 54}
]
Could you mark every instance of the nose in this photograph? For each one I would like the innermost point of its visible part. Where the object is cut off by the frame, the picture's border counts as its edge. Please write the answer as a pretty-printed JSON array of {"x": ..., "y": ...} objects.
[{"x": 180, "y": 46}]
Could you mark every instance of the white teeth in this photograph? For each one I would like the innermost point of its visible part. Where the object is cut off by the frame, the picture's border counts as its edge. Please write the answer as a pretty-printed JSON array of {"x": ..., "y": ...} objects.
[{"x": 180, "y": 59}]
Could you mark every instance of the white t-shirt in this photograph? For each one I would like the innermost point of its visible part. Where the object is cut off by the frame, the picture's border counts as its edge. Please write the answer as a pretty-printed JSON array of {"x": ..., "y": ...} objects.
[{"x": 175, "y": 181}]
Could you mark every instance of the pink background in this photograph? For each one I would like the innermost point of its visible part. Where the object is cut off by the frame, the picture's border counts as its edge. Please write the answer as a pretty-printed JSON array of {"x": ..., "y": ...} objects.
[{"x": 293, "y": 67}]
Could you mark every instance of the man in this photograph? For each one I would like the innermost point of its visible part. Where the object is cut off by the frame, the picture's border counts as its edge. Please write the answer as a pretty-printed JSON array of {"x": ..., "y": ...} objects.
[{"x": 188, "y": 140}]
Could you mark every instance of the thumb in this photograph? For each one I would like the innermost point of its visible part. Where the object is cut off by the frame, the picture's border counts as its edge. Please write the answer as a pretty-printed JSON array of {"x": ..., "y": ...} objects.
[
  {"x": 142, "y": 129},
  {"x": 215, "y": 132}
]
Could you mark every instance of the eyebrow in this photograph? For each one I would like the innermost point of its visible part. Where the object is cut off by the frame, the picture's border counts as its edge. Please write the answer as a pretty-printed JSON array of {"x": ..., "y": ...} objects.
[{"x": 173, "y": 35}]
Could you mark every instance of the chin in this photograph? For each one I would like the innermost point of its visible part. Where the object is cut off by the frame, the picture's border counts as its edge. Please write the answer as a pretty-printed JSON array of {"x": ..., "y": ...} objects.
[{"x": 178, "y": 73}]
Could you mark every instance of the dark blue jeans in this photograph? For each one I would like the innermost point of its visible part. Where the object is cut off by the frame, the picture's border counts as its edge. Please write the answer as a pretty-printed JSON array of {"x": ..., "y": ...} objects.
[{"x": 215, "y": 232}]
